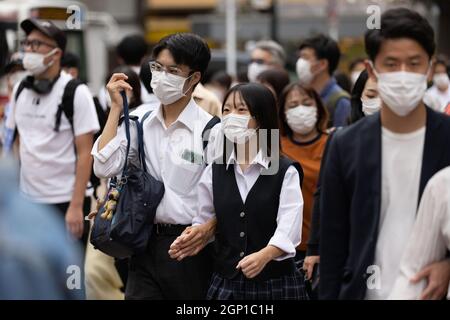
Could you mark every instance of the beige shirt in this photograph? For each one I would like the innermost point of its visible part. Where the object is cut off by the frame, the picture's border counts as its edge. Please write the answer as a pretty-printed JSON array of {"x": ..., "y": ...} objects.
[{"x": 207, "y": 100}]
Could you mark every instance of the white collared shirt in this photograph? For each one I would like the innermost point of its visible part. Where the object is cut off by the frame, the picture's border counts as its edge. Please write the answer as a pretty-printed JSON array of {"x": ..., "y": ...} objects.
[
  {"x": 165, "y": 152},
  {"x": 287, "y": 235}
]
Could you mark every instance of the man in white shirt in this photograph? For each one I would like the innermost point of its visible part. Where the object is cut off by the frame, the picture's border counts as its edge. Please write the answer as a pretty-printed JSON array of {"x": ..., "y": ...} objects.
[
  {"x": 173, "y": 154},
  {"x": 55, "y": 157},
  {"x": 440, "y": 90},
  {"x": 372, "y": 185}
]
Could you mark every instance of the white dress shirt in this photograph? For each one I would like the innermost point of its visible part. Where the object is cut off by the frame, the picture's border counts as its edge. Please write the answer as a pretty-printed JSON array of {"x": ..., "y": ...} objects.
[
  {"x": 166, "y": 154},
  {"x": 287, "y": 235},
  {"x": 430, "y": 237}
]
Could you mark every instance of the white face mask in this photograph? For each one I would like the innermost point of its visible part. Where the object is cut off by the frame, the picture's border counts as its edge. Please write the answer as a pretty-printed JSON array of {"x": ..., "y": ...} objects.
[
  {"x": 441, "y": 80},
  {"x": 167, "y": 87},
  {"x": 255, "y": 69},
  {"x": 401, "y": 91},
  {"x": 354, "y": 76},
  {"x": 370, "y": 106},
  {"x": 302, "y": 119},
  {"x": 235, "y": 128},
  {"x": 304, "y": 73},
  {"x": 34, "y": 62}
]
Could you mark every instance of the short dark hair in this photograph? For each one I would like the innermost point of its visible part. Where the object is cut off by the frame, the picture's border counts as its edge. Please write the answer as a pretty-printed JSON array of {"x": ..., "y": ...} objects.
[
  {"x": 278, "y": 78},
  {"x": 322, "y": 113},
  {"x": 358, "y": 89},
  {"x": 145, "y": 74},
  {"x": 222, "y": 78},
  {"x": 134, "y": 81},
  {"x": 325, "y": 48},
  {"x": 400, "y": 23},
  {"x": 132, "y": 49},
  {"x": 70, "y": 60},
  {"x": 262, "y": 106},
  {"x": 355, "y": 62},
  {"x": 442, "y": 62},
  {"x": 186, "y": 48}
]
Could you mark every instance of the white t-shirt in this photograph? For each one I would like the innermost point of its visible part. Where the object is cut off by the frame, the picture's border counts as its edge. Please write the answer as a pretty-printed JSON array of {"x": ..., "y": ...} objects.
[
  {"x": 48, "y": 161},
  {"x": 401, "y": 169},
  {"x": 442, "y": 97}
]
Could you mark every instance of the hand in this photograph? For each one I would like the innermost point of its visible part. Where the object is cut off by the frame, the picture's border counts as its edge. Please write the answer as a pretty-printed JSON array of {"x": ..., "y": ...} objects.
[
  {"x": 115, "y": 85},
  {"x": 253, "y": 264},
  {"x": 438, "y": 278},
  {"x": 308, "y": 265},
  {"x": 75, "y": 221},
  {"x": 192, "y": 241}
]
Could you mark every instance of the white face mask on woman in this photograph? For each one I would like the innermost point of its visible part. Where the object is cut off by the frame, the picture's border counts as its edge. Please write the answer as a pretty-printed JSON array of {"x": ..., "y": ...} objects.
[
  {"x": 302, "y": 119},
  {"x": 235, "y": 128},
  {"x": 34, "y": 62},
  {"x": 167, "y": 87},
  {"x": 255, "y": 69},
  {"x": 370, "y": 105},
  {"x": 401, "y": 91}
]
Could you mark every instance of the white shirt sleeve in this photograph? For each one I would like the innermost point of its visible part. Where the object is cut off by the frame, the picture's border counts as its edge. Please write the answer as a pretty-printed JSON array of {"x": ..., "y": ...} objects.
[
  {"x": 85, "y": 118},
  {"x": 288, "y": 235},
  {"x": 429, "y": 239},
  {"x": 205, "y": 198},
  {"x": 109, "y": 161}
]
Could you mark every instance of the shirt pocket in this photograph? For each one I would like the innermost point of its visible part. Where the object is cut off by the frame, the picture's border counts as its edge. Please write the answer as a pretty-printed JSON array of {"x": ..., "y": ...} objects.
[{"x": 182, "y": 176}]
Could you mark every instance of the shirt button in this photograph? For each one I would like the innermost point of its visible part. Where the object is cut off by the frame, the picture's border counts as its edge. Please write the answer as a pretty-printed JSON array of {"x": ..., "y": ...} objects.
[
  {"x": 242, "y": 234},
  {"x": 242, "y": 214},
  {"x": 241, "y": 254}
]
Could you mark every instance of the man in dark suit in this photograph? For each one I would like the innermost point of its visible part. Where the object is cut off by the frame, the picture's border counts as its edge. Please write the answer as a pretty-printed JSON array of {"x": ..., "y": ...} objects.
[{"x": 377, "y": 169}]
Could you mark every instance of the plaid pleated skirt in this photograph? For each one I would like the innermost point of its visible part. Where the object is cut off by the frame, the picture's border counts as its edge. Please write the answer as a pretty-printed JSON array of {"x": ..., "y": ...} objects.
[{"x": 290, "y": 287}]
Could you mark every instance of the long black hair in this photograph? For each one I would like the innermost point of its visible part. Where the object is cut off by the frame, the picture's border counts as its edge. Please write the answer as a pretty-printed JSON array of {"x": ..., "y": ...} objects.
[
  {"x": 358, "y": 89},
  {"x": 262, "y": 106}
]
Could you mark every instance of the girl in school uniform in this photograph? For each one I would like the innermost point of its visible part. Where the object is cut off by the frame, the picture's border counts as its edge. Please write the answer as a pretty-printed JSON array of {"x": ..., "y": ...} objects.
[{"x": 251, "y": 197}]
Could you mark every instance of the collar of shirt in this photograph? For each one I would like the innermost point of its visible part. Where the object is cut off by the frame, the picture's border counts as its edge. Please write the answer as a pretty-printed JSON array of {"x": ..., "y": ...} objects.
[
  {"x": 326, "y": 91},
  {"x": 259, "y": 159},
  {"x": 187, "y": 117}
]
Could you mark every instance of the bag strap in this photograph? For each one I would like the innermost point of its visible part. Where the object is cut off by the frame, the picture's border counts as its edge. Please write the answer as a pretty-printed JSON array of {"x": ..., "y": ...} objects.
[
  {"x": 66, "y": 104},
  {"x": 140, "y": 126},
  {"x": 207, "y": 130},
  {"x": 126, "y": 117},
  {"x": 23, "y": 84}
]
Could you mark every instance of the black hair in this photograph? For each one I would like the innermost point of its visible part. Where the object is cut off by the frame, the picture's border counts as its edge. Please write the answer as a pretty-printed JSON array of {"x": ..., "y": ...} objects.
[
  {"x": 277, "y": 78},
  {"x": 356, "y": 104},
  {"x": 134, "y": 81},
  {"x": 70, "y": 60},
  {"x": 400, "y": 23},
  {"x": 262, "y": 106},
  {"x": 132, "y": 49},
  {"x": 355, "y": 62},
  {"x": 343, "y": 81},
  {"x": 322, "y": 113},
  {"x": 442, "y": 62},
  {"x": 222, "y": 78},
  {"x": 186, "y": 48},
  {"x": 145, "y": 74},
  {"x": 325, "y": 48}
]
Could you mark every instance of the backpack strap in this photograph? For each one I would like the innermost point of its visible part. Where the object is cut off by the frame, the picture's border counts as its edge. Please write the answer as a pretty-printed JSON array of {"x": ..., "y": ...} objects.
[
  {"x": 207, "y": 130},
  {"x": 23, "y": 84},
  {"x": 66, "y": 104},
  {"x": 332, "y": 103}
]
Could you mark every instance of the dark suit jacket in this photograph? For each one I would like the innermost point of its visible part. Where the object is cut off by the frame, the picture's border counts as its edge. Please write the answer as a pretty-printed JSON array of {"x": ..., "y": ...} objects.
[{"x": 351, "y": 200}]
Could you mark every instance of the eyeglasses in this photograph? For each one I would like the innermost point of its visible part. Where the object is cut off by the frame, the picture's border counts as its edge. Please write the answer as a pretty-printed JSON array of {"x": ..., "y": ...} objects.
[
  {"x": 35, "y": 44},
  {"x": 155, "y": 66}
]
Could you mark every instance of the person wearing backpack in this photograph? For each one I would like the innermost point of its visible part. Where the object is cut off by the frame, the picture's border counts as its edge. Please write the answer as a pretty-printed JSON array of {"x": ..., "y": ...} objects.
[
  {"x": 318, "y": 59},
  {"x": 172, "y": 139},
  {"x": 55, "y": 121}
]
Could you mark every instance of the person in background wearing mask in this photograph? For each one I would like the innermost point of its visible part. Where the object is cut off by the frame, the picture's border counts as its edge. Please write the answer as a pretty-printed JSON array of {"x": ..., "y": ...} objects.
[
  {"x": 318, "y": 59},
  {"x": 55, "y": 161},
  {"x": 265, "y": 55},
  {"x": 70, "y": 63},
  {"x": 258, "y": 215},
  {"x": 220, "y": 83},
  {"x": 174, "y": 152},
  {"x": 365, "y": 98},
  {"x": 14, "y": 73},
  {"x": 356, "y": 67},
  {"x": 275, "y": 80},
  {"x": 303, "y": 123},
  {"x": 441, "y": 85},
  {"x": 376, "y": 169}
]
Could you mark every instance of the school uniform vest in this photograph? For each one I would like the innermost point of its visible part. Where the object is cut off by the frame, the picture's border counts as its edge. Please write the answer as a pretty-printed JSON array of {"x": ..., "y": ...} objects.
[{"x": 247, "y": 227}]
